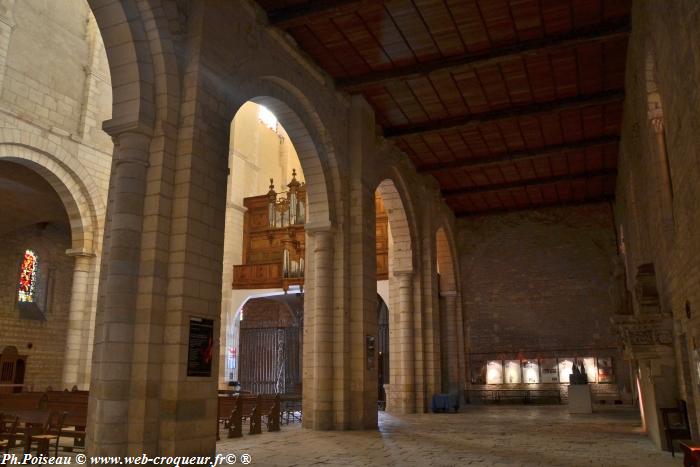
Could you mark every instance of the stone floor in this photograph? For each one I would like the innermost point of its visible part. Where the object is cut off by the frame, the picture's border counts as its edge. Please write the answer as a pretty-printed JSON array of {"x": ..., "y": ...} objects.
[{"x": 480, "y": 435}]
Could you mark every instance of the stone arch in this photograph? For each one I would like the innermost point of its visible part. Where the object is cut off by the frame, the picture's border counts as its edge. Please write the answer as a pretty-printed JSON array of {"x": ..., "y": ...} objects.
[
  {"x": 445, "y": 255},
  {"x": 70, "y": 187},
  {"x": 401, "y": 252},
  {"x": 306, "y": 131},
  {"x": 130, "y": 60}
]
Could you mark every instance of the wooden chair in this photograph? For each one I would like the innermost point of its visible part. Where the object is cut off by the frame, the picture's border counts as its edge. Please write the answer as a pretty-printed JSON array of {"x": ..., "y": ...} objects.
[
  {"x": 678, "y": 428},
  {"x": 8, "y": 432},
  {"x": 52, "y": 433}
]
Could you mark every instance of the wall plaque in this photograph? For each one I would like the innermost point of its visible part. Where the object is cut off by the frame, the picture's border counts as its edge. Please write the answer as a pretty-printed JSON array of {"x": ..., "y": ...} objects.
[
  {"x": 201, "y": 344},
  {"x": 548, "y": 370}
]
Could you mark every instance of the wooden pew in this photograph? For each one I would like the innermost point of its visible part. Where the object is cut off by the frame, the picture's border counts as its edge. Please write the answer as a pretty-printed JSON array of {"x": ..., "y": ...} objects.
[
  {"x": 246, "y": 407},
  {"x": 22, "y": 401},
  {"x": 225, "y": 406},
  {"x": 74, "y": 405},
  {"x": 269, "y": 406}
]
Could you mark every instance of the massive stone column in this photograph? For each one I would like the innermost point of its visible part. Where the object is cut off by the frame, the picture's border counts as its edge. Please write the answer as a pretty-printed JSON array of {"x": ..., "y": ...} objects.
[
  {"x": 452, "y": 336},
  {"x": 74, "y": 371},
  {"x": 108, "y": 428},
  {"x": 665, "y": 187},
  {"x": 321, "y": 394},
  {"x": 403, "y": 390}
]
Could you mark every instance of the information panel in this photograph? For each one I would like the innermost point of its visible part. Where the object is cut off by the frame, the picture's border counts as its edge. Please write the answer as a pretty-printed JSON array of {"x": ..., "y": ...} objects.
[
  {"x": 548, "y": 370},
  {"x": 201, "y": 343},
  {"x": 512, "y": 372},
  {"x": 494, "y": 372},
  {"x": 566, "y": 368},
  {"x": 531, "y": 372}
]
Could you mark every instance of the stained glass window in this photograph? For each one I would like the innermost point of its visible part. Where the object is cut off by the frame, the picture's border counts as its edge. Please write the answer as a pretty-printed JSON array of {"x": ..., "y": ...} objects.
[{"x": 28, "y": 277}]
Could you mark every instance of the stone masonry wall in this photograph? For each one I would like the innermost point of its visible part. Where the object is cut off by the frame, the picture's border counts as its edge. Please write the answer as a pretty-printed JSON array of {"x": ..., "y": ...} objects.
[
  {"x": 663, "y": 69},
  {"x": 48, "y": 338},
  {"x": 536, "y": 284}
]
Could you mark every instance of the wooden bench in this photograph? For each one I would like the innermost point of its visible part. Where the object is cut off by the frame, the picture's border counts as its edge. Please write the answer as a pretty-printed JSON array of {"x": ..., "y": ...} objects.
[
  {"x": 74, "y": 405},
  {"x": 22, "y": 401},
  {"x": 543, "y": 394},
  {"x": 269, "y": 406},
  {"x": 246, "y": 407},
  {"x": 226, "y": 405}
]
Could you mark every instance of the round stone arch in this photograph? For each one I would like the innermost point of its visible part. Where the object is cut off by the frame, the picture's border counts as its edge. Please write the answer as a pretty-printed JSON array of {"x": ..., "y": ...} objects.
[
  {"x": 130, "y": 61},
  {"x": 446, "y": 256},
  {"x": 69, "y": 186},
  {"x": 309, "y": 136}
]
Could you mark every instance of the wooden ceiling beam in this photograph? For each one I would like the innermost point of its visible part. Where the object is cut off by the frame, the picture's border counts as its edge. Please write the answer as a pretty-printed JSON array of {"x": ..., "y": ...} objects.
[
  {"x": 548, "y": 151},
  {"x": 602, "y": 98},
  {"x": 605, "y": 198},
  {"x": 473, "y": 190},
  {"x": 604, "y": 32},
  {"x": 295, "y": 15}
]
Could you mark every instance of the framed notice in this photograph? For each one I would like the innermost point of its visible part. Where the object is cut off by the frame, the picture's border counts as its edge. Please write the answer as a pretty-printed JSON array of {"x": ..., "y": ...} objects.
[
  {"x": 531, "y": 372},
  {"x": 494, "y": 372},
  {"x": 606, "y": 372},
  {"x": 478, "y": 372},
  {"x": 512, "y": 372},
  {"x": 589, "y": 367},
  {"x": 566, "y": 368},
  {"x": 200, "y": 347},
  {"x": 548, "y": 370}
]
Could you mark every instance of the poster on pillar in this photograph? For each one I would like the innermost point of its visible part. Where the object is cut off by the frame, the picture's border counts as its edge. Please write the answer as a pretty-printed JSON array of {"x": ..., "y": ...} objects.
[{"x": 200, "y": 347}]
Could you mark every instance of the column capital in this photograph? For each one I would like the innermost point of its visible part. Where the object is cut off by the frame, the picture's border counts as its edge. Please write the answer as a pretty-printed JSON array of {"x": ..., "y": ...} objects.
[
  {"x": 657, "y": 123},
  {"x": 80, "y": 252},
  {"x": 116, "y": 129},
  {"x": 313, "y": 228}
]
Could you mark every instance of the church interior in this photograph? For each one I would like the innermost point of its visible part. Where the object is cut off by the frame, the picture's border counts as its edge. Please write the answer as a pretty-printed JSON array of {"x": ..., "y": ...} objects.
[{"x": 350, "y": 232}]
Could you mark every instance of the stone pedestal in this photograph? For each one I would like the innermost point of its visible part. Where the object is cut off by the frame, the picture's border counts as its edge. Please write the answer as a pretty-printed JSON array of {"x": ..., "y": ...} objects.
[{"x": 580, "y": 400}]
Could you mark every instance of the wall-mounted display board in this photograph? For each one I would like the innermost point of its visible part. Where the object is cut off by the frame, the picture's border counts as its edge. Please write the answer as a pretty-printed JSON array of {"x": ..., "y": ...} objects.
[
  {"x": 478, "y": 372},
  {"x": 531, "y": 372},
  {"x": 589, "y": 367},
  {"x": 566, "y": 368},
  {"x": 549, "y": 372},
  {"x": 199, "y": 350},
  {"x": 494, "y": 372},
  {"x": 512, "y": 372},
  {"x": 606, "y": 372}
]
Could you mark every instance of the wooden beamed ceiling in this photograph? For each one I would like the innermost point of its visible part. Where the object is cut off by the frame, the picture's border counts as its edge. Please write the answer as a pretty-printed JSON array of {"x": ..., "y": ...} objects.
[{"x": 509, "y": 104}]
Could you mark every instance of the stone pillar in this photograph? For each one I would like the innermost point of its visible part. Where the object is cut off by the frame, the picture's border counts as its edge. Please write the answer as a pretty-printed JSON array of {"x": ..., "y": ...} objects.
[
  {"x": 665, "y": 188},
  {"x": 404, "y": 389},
  {"x": 322, "y": 356},
  {"x": 74, "y": 371},
  {"x": 452, "y": 344},
  {"x": 108, "y": 424}
]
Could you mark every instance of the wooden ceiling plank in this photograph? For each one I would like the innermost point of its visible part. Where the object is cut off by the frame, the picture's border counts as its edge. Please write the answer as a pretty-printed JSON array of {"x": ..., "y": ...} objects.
[
  {"x": 619, "y": 28},
  {"x": 536, "y": 181},
  {"x": 519, "y": 111},
  {"x": 294, "y": 15}
]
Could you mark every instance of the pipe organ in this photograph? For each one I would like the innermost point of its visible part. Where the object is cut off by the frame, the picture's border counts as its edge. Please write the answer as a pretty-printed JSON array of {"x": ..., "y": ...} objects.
[{"x": 274, "y": 240}]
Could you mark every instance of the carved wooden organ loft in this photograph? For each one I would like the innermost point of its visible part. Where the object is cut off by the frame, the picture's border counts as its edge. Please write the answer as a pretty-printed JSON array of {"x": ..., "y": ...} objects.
[{"x": 273, "y": 239}]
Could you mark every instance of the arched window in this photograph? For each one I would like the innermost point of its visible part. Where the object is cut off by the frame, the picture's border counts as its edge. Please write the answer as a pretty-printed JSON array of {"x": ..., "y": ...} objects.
[{"x": 28, "y": 277}]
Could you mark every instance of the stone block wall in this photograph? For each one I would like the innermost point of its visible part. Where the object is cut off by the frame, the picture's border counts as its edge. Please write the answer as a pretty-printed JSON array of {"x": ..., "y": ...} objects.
[
  {"x": 537, "y": 284},
  {"x": 47, "y": 338},
  {"x": 658, "y": 222}
]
